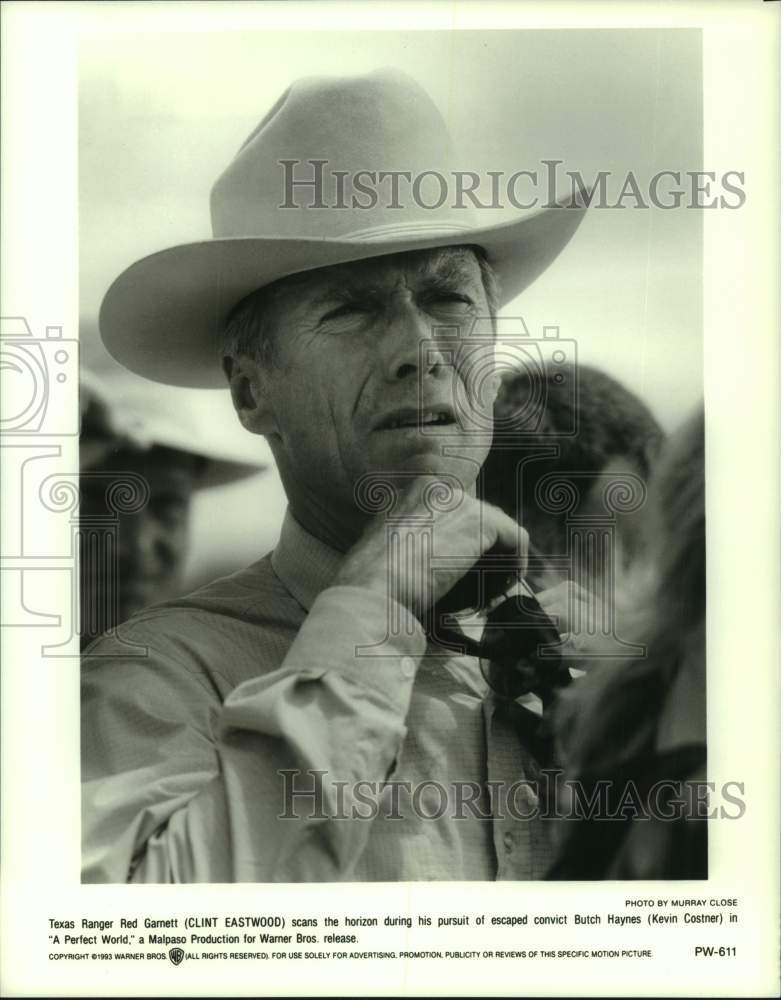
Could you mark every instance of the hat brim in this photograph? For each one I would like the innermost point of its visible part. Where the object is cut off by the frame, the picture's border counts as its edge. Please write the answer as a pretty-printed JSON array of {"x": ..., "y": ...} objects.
[
  {"x": 94, "y": 451},
  {"x": 219, "y": 472},
  {"x": 120, "y": 412},
  {"x": 163, "y": 317}
]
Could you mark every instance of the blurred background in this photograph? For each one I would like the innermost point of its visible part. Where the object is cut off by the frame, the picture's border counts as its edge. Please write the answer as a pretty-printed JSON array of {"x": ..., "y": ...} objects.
[{"x": 160, "y": 116}]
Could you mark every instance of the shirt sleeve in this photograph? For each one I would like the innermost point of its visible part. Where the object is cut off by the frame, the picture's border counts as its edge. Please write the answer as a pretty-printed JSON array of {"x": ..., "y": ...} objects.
[{"x": 180, "y": 785}]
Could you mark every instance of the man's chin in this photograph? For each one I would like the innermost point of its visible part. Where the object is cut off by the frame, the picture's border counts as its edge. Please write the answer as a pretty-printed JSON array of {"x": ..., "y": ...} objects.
[{"x": 430, "y": 458}]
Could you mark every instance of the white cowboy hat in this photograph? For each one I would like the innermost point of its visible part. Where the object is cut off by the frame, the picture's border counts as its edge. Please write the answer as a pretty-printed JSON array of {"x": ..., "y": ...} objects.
[
  {"x": 163, "y": 316},
  {"x": 119, "y": 410}
]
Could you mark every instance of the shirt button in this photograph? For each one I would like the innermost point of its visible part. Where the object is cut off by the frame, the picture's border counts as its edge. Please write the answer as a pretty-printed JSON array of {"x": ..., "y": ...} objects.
[
  {"x": 508, "y": 842},
  {"x": 408, "y": 667}
]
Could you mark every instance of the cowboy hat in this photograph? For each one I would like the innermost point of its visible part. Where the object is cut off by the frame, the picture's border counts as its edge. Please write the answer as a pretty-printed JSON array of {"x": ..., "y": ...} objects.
[
  {"x": 120, "y": 411},
  {"x": 163, "y": 316}
]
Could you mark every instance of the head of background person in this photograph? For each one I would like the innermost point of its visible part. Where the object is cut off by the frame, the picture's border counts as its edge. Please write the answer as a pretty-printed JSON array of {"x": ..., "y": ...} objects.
[
  {"x": 664, "y": 595},
  {"x": 674, "y": 530},
  {"x": 340, "y": 326},
  {"x": 643, "y": 718},
  {"x": 136, "y": 485},
  {"x": 579, "y": 427},
  {"x": 152, "y": 543}
]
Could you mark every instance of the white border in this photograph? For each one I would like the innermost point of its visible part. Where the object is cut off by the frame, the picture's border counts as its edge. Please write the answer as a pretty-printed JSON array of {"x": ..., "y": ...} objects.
[{"x": 40, "y": 848}]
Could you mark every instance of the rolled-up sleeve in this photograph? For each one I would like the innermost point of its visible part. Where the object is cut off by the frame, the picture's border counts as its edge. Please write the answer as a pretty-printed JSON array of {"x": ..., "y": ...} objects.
[{"x": 183, "y": 784}]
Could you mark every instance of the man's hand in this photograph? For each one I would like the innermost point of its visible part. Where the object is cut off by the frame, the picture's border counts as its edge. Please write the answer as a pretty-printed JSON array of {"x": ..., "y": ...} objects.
[
  {"x": 576, "y": 612},
  {"x": 449, "y": 542}
]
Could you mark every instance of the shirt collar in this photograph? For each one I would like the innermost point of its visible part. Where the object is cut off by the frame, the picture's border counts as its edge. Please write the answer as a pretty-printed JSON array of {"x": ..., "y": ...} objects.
[
  {"x": 303, "y": 563},
  {"x": 306, "y": 566}
]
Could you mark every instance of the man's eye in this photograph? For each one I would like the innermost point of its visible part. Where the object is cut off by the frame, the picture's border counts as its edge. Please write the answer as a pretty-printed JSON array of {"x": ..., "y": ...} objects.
[
  {"x": 348, "y": 309},
  {"x": 168, "y": 509},
  {"x": 450, "y": 299}
]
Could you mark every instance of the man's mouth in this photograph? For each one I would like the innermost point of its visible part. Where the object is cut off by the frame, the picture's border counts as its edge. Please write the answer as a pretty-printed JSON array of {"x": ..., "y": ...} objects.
[{"x": 434, "y": 416}]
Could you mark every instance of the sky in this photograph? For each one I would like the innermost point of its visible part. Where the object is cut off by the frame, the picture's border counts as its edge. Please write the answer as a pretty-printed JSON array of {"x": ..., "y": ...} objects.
[{"x": 160, "y": 117}]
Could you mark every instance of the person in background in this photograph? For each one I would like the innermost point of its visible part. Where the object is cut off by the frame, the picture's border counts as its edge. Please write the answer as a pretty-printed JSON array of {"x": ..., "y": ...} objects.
[
  {"x": 638, "y": 726},
  {"x": 584, "y": 426},
  {"x": 139, "y": 472}
]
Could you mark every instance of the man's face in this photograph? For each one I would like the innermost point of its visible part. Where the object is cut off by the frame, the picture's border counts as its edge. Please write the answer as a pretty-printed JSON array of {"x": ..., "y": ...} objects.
[
  {"x": 350, "y": 391},
  {"x": 152, "y": 542}
]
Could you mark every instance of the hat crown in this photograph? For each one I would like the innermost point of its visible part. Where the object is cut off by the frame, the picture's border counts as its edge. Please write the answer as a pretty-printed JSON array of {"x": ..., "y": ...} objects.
[
  {"x": 164, "y": 316},
  {"x": 341, "y": 157}
]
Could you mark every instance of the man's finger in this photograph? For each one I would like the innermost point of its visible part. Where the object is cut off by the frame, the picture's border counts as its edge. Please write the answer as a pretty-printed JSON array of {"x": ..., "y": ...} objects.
[
  {"x": 572, "y": 608},
  {"x": 573, "y": 647},
  {"x": 507, "y": 535}
]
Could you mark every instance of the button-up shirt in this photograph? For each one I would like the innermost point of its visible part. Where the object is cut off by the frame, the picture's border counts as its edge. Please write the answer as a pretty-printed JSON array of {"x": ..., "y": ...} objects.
[{"x": 273, "y": 726}]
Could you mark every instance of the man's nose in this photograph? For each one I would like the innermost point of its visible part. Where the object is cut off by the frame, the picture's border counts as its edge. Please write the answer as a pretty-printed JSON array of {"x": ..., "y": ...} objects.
[
  {"x": 142, "y": 547},
  {"x": 410, "y": 343}
]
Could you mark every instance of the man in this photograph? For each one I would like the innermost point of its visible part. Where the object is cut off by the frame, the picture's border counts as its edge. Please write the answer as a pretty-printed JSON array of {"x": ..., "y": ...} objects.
[
  {"x": 292, "y": 722},
  {"x": 140, "y": 468},
  {"x": 573, "y": 426}
]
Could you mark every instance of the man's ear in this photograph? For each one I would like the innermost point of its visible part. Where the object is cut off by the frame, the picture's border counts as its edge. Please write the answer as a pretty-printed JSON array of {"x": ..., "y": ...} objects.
[{"x": 248, "y": 383}]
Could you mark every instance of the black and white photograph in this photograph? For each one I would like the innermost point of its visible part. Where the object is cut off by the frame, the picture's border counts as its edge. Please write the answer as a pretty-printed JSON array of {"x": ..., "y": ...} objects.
[
  {"x": 390, "y": 506},
  {"x": 360, "y": 702}
]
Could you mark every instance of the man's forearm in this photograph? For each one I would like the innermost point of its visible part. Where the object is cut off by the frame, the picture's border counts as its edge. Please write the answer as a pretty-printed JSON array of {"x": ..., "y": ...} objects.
[{"x": 209, "y": 807}]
